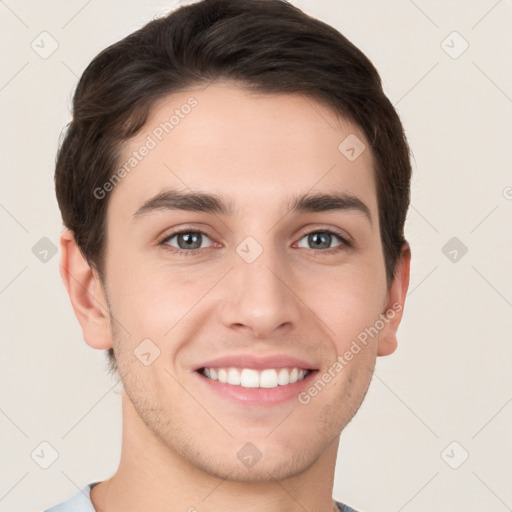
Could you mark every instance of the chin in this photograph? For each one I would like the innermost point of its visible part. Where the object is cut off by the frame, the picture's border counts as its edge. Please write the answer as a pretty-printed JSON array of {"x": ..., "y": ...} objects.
[{"x": 268, "y": 468}]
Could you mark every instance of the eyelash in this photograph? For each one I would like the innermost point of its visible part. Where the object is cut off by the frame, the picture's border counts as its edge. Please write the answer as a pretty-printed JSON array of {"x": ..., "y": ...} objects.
[{"x": 181, "y": 252}]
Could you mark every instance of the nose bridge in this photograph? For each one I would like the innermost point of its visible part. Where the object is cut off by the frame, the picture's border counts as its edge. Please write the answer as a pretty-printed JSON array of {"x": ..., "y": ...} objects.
[
  {"x": 260, "y": 297},
  {"x": 259, "y": 269}
]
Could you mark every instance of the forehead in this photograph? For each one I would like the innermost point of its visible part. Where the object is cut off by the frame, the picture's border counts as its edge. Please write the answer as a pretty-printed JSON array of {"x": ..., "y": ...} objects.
[{"x": 254, "y": 150}]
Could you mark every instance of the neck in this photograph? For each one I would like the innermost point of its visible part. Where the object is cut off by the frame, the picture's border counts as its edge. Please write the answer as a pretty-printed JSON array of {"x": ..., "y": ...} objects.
[{"x": 152, "y": 476}]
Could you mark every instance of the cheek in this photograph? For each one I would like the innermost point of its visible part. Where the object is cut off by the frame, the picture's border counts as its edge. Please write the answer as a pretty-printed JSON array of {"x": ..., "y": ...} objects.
[
  {"x": 151, "y": 299},
  {"x": 355, "y": 318},
  {"x": 350, "y": 303}
]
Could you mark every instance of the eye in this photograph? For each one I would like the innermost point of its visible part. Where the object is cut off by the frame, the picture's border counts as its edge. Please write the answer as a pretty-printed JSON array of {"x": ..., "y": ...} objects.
[
  {"x": 185, "y": 242},
  {"x": 190, "y": 242},
  {"x": 322, "y": 239}
]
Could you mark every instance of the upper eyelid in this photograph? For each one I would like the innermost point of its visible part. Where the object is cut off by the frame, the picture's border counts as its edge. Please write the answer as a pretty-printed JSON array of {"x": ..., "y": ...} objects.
[
  {"x": 182, "y": 231},
  {"x": 344, "y": 238}
]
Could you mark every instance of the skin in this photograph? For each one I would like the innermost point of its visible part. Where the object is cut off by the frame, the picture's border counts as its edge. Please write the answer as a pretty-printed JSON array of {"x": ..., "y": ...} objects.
[{"x": 180, "y": 443}]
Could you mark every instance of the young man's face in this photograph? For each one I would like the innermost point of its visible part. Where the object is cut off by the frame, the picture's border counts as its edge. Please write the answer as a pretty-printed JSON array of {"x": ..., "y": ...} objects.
[{"x": 257, "y": 294}]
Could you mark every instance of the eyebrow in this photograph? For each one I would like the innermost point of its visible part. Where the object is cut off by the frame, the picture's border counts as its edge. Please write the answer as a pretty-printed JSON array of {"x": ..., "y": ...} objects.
[{"x": 212, "y": 203}]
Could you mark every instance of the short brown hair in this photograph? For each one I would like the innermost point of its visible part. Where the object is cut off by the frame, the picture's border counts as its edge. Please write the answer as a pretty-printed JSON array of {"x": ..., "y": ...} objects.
[{"x": 269, "y": 46}]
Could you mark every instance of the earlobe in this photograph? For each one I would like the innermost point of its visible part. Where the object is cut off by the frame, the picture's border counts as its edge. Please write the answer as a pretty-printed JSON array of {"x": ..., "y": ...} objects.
[
  {"x": 85, "y": 293},
  {"x": 395, "y": 303}
]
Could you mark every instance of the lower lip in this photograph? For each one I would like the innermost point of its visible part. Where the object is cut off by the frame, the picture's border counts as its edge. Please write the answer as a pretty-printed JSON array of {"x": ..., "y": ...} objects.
[{"x": 255, "y": 396}]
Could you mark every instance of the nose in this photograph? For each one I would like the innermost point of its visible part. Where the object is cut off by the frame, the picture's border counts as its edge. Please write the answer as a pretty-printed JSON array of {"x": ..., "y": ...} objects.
[{"x": 260, "y": 296}]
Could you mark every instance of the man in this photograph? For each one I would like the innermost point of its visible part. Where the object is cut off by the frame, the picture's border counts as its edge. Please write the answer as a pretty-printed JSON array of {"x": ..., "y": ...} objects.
[{"x": 234, "y": 185}]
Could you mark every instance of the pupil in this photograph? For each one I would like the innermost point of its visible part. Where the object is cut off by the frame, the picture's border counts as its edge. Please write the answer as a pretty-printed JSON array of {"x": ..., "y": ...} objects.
[
  {"x": 315, "y": 239},
  {"x": 189, "y": 240}
]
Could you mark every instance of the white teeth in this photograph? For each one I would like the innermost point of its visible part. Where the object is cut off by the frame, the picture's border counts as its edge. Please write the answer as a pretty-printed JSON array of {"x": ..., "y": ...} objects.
[
  {"x": 268, "y": 379},
  {"x": 284, "y": 377},
  {"x": 234, "y": 377},
  {"x": 250, "y": 378},
  {"x": 223, "y": 376}
]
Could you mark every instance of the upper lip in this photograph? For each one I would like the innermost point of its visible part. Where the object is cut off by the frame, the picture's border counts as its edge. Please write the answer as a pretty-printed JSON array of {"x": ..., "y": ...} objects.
[{"x": 257, "y": 362}]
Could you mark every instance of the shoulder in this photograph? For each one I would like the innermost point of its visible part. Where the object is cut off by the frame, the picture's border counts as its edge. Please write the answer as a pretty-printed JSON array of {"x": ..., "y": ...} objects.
[
  {"x": 79, "y": 502},
  {"x": 345, "y": 508}
]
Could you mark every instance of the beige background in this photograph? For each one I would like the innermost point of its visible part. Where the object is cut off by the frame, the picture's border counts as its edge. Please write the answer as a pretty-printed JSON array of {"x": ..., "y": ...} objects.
[{"x": 450, "y": 378}]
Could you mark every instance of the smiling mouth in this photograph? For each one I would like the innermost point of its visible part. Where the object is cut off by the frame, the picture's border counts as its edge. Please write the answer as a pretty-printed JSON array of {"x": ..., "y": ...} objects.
[{"x": 251, "y": 378}]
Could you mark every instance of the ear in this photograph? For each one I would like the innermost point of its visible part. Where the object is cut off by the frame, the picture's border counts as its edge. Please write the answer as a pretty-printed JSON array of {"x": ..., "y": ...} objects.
[
  {"x": 394, "y": 307},
  {"x": 86, "y": 293}
]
